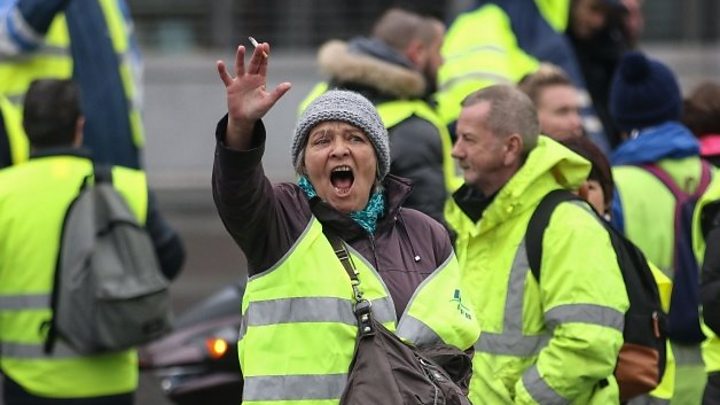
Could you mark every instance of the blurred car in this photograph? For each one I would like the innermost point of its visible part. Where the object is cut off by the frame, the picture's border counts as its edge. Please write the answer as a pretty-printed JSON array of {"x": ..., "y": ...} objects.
[{"x": 197, "y": 363}]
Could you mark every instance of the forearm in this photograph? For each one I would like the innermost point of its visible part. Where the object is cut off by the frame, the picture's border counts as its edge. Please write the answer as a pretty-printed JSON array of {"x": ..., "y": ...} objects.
[
  {"x": 577, "y": 358},
  {"x": 243, "y": 195},
  {"x": 168, "y": 245},
  {"x": 239, "y": 134}
]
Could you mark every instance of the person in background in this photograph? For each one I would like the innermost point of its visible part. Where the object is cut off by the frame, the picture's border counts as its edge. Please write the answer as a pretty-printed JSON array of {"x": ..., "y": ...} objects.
[
  {"x": 598, "y": 190},
  {"x": 706, "y": 240},
  {"x": 92, "y": 42},
  {"x": 552, "y": 342},
  {"x": 14, "y": 146},
  {"x": 701, "y": 114},
  {"x": 556, "y": 100},
  {"x": 406, "y": 264},
  {"x": 646, "y": 104},
  {"x": 34, "y": 199},
  {"x": 600, "y": 32},
  {"x": 396, "y": 69},
  {"x": 502, "y": 41}
]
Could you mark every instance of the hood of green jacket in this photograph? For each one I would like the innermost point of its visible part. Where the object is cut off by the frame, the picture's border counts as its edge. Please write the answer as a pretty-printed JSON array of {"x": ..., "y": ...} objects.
[{"x": 549, "y": 166}]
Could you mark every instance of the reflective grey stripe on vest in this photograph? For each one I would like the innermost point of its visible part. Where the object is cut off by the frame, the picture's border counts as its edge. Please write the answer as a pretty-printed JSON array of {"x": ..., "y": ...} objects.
[
  {"x": 417, "y": 331},
  {"x": 648, "y": 400},
  {"x": 474, "y": 49},
  {"x": 512, "y": 341},
  {"x": 413, "y": 329},
  {"x": 491, "y": 76},
  {"x": 585, "y": 313},
  {"x": 25, "y": 301},
  {"x": 539, "y": 390},
  {"x": 37, "y": 351},
  {"x": 310, "y": 309},
  {"x": 511, "y": 345},
  {"x": 294, "y": 387}
]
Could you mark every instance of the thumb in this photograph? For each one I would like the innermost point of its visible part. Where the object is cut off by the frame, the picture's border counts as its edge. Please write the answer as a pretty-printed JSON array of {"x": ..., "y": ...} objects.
[{"x": 279, "y": 91}]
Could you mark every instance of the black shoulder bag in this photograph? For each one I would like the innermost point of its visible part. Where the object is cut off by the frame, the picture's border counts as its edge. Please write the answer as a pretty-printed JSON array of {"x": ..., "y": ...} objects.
[{"x": 386, "y": 370}]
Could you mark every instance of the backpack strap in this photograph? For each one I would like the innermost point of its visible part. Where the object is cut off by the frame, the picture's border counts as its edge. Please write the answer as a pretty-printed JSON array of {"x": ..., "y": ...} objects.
[
  {"x": 102, "y": 172},
  {"x": 669, "y": 182},
  {"x": 539, "y": 222}
]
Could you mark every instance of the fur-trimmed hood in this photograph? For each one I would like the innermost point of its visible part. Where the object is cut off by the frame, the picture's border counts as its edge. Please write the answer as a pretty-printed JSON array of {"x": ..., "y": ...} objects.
[{"x": 389, "y": 75}]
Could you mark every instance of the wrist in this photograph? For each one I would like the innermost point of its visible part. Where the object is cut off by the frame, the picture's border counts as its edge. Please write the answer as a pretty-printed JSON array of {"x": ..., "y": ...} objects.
[{"x": 239, "y": 133}]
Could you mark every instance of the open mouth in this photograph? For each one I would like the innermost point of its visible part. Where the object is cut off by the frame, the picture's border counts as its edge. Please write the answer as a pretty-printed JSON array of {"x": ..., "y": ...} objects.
[{"x": 342, "y": 179}]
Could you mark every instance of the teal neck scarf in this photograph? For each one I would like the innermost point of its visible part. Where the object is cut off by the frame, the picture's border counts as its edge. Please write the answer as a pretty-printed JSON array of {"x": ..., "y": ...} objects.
[{"x": 367, "y": 218}]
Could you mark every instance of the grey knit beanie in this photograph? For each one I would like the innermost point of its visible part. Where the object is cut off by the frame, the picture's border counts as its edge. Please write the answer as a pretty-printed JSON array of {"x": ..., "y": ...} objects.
[{"x": 349, "y": 107}]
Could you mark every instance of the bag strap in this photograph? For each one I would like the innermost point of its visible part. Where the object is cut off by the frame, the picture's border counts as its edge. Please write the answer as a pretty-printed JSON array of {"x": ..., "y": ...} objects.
[
  {"x": 680, "y": 194},
  {"x": 539, "y": 222},
  {"x": 103, "y": 173},
  {"x": 362, "y": 305}
]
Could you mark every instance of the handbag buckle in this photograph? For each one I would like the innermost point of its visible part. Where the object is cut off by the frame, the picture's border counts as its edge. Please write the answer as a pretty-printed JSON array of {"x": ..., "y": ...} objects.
[{"x": 362, "y": 312}]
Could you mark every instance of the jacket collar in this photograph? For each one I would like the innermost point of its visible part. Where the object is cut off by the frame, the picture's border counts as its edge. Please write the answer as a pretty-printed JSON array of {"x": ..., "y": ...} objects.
[
  {"x": 397, "y": 189},
  {"x": 61, "y": 151},
  {"x": 669, "y": 140},
  {"x": 371, "y": 65}
]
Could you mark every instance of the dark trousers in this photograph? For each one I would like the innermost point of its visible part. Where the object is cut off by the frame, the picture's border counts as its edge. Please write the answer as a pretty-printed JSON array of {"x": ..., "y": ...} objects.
[
  {"x": 712, "y": 389},
  {"x": 14, "y": 394}
]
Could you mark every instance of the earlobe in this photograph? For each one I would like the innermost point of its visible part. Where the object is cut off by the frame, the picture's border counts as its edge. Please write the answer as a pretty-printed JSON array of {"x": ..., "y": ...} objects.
[{"x": 513, "y": 149}]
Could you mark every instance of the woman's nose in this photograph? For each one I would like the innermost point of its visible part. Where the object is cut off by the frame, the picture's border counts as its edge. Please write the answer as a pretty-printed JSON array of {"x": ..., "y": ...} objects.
[{"x": 340, "y": 149}]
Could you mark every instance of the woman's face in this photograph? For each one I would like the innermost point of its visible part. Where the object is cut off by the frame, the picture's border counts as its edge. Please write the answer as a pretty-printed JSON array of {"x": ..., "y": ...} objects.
[
  {"x": 341, "y": 164},
  {"x": 596, "y": 196}
]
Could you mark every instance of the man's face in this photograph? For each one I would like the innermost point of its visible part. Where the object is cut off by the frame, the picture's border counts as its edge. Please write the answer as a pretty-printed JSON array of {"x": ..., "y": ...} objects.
[
  {"x": 434, "y": 59},
  {"x": 559, "y": 112},
  {"x": 479, "y": 152},
  {"x": 588, "y": 17}
]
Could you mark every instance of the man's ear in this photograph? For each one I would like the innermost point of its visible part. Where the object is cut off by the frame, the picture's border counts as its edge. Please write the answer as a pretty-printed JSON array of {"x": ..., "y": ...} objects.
[
  {"x": 79, "y": 128},
  {"x": 414, "y": 51},
  {"x": 513, "y": 149}
]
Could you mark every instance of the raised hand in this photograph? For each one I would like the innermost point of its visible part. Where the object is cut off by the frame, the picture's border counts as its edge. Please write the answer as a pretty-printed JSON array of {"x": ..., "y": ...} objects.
[{"x": 247, "y": 98}]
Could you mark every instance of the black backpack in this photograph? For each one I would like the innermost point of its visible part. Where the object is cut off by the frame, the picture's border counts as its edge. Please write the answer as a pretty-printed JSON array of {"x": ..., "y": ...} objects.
[{"x": 641, "y": 362}]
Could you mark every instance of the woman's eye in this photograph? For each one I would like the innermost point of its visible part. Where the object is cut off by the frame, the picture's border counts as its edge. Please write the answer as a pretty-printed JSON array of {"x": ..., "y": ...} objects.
[{"x": 357, "y": 138}]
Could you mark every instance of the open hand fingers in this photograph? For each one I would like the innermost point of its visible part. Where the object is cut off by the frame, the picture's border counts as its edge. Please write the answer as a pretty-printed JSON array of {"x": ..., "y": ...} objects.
[
  {"x": 264, "y": 50},
  {"x": 258, "y": 61},
  {"x": 223, "y": 72},
  {"x": 240, "y": 61}
]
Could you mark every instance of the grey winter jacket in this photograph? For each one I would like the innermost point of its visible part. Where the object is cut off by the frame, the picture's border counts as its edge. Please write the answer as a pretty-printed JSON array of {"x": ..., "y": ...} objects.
[{"x": 266, "y": 220}]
